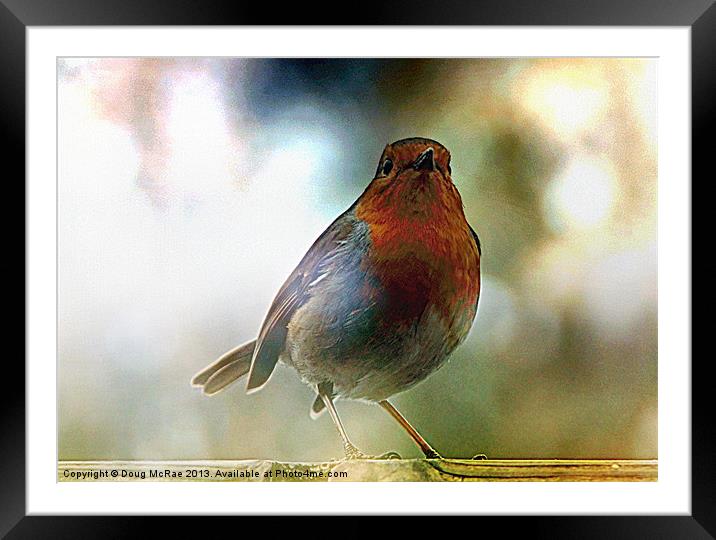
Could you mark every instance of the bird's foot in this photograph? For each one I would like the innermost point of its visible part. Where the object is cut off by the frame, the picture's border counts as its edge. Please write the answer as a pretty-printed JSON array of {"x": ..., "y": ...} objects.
[
  {"x": 432, "y": 454},
  {"x": 353, "y": 453},
  {"x": 389, "y": 455}
]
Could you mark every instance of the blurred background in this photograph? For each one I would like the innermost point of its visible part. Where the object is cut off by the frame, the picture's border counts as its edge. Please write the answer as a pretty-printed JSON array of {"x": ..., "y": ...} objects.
[{"x": 190, "y": 188}]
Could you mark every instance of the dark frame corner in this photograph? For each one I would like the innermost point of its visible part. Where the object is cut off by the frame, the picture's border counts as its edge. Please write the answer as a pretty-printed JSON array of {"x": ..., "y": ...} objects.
[{"x": 16, "y": 15}]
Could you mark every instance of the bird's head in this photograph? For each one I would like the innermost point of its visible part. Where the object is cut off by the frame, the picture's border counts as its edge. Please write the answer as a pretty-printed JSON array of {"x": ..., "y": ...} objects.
[
  {"x": 414, "y": 159},
  {"x": 413, "y": 176}
]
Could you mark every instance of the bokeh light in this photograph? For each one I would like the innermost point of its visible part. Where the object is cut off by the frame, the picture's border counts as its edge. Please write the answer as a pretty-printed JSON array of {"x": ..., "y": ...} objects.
[
  {"x": 566, "y": 101},
  {"x": 582, "y": 195}
]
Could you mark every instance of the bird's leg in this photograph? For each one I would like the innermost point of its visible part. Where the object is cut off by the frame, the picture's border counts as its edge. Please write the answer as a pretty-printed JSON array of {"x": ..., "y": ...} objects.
[
  {"x": 350, "y": 449},
  {"x": 429, "y": 451}
]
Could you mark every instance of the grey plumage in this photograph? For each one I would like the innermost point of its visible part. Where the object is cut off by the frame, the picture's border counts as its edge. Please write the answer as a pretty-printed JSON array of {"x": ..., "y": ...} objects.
[{"x": 231, "y": 366}]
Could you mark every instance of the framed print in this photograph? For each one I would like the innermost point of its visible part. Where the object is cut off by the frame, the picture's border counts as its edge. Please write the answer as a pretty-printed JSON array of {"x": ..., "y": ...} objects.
[{"x": 423, "y": 264}]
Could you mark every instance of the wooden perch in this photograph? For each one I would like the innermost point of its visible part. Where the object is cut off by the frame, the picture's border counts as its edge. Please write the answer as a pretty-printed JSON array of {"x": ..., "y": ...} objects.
[{"x": 401, "y": 470}]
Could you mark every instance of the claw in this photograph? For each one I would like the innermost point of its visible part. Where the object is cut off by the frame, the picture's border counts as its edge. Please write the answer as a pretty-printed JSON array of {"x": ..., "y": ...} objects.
[
  {"x": 389, "y": 455},
  {"x": 353, "y": 453},
  {"x": 479, "y": 457}
]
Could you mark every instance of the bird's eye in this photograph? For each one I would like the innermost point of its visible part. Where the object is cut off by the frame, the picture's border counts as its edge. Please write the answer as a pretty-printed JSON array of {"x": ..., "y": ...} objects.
[{"x": 387, "y": 167}]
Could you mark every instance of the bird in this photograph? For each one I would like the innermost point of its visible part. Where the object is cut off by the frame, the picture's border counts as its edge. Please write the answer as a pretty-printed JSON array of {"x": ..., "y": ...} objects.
[{"x": 379, "y": 301}]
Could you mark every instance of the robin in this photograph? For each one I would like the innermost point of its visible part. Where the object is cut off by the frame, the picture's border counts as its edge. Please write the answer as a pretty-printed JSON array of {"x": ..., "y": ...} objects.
[{"x": 381, "y": 298}]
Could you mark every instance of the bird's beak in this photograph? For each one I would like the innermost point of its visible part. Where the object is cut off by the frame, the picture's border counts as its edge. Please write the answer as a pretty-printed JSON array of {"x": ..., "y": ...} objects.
[{"x": 425, "y": 161}]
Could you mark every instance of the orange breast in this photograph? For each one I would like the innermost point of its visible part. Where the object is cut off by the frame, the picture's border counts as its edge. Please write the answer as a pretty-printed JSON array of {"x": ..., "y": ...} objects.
[{"x": 420, "y": 259}]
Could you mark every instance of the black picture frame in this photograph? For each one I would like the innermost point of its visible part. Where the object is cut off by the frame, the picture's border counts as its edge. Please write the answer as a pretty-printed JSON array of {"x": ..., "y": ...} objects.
[{"x": 17, "y": 15}]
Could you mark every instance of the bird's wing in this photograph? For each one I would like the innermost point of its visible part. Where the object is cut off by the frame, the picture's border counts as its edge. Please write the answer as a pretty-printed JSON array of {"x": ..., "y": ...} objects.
[
  {"x": 477, "y": 239},
  {"x": 293, "y": 294},
  {"x": 479, "y": 252}
]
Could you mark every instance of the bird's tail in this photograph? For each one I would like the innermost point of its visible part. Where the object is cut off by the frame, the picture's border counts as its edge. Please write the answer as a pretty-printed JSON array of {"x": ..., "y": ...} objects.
[{"x": 231, "y": 366}]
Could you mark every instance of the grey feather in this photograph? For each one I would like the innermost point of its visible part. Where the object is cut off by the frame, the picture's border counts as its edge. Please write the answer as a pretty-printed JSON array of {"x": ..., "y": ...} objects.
[{"x": 231, "y": 366}]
